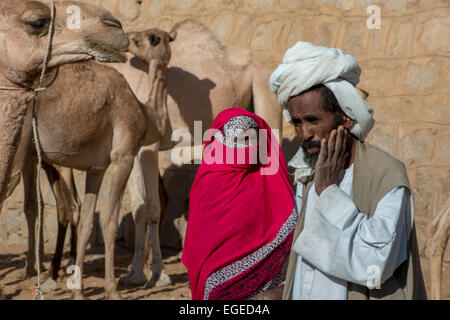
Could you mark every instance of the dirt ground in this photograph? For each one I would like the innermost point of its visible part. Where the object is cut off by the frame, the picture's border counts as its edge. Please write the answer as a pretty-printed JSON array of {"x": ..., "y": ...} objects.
[{"x": 12, "y": 264}]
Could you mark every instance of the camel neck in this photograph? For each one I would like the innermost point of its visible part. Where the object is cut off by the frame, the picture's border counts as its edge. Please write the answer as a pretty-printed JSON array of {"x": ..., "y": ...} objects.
[
  {"x": 157, "y": 99},
  {"x": 13, "y": 109}
]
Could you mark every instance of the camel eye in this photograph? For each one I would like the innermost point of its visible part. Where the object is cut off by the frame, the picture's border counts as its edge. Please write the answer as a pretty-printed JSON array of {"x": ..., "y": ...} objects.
[
  {"x": 137, "y": 42},
  {"x": 155, "y": 40},
  {"x": 36, "y": 26}
]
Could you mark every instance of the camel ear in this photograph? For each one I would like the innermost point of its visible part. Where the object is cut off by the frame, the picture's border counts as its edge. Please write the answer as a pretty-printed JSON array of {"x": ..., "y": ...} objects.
[{"x": 173, "y": 36}]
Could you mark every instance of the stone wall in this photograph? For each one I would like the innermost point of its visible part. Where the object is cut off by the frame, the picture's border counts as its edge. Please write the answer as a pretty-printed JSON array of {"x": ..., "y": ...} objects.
[{"x": 405, "y": 65}]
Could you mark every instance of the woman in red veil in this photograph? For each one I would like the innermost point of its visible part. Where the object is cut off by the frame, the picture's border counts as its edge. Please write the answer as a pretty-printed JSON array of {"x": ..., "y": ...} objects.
[{"x": 242, "y": 212}]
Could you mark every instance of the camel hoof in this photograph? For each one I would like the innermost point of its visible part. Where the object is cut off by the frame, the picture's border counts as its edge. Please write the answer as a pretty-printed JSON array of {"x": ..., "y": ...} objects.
[
  {"x": 114, "y": 296},
  {"x": 158, "y": 280},
  {"x": 28, "y": 273},
  {"x": 78, "y": 297},
  {"x": 133, "y": 278}
]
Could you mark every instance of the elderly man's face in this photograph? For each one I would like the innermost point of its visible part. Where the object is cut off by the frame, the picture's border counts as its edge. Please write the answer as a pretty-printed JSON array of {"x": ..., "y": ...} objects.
[{"x": 312, "y": 122}]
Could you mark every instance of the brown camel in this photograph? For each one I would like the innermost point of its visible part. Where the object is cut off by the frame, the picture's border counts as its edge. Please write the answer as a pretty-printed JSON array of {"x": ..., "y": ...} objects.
[
  {"x": 204, "y": 78},
  {"x": 438, "y": 236},
  {"x": 90, "y": 120},
  {"x": 24, "y": 38}
]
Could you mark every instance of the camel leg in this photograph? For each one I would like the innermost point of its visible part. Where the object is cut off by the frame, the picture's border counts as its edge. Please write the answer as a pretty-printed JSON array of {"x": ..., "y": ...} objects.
[
  {"x": 136, "y": 186},
  {"x": 164, "y": 201},
  {"x": 436, "y": 250},
  {"x": 31, "y": 210},
  {"x": 150, "y": 165},
  {"x": 57, "y": 186},
  {"x": 120, "y": 167},
  {"x": 74, "y": 206},
  {"x": 93, "y": 183}
]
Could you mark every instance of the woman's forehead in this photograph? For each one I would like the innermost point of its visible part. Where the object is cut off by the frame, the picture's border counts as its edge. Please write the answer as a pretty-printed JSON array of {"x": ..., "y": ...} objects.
[{"x": 241, "y": 122}]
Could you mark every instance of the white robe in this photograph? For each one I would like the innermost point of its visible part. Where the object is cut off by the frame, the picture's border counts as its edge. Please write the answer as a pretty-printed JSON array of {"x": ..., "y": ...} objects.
[{"x": 340, "y": 244}]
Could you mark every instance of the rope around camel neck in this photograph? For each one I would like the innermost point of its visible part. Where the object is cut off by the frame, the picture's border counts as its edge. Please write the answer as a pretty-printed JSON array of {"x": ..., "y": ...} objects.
[{"x": 38, "y": 292}]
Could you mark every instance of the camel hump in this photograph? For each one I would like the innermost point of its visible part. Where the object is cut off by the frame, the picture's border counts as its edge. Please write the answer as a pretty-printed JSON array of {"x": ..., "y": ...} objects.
[
  {"x": 195, "y": 34},
  {"x": 191, "y": 25}
]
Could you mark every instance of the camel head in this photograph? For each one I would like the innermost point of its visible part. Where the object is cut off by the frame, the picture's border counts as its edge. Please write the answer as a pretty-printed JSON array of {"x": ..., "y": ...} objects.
[
  {"x": 151, "y": 44},
  {"x": 24, "y": 28}
]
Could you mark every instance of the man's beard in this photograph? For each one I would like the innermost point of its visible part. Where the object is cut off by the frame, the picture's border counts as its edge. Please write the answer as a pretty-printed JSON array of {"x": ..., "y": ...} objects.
[{"x": 310, "y": 158}]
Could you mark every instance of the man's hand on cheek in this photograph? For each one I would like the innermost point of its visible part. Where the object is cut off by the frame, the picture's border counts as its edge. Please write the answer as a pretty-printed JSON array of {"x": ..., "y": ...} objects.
[{"x": 330, "y": 166}]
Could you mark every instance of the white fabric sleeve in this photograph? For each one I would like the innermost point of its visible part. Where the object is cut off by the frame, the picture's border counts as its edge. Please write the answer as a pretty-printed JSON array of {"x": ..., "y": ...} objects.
[{"x": 344, "y": 243}]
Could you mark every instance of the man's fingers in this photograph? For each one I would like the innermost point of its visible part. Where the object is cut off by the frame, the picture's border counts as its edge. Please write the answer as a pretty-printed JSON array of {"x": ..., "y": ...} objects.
[
  {"x": 323, "y": 152},
  {"x": 331, "y": 144},
  {"x": 338, "y": 145},
  {"x": 344, "y": 144}
]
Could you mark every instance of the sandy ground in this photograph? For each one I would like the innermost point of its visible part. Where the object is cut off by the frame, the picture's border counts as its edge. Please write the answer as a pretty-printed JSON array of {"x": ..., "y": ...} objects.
[{"x": 12, "y": 263}]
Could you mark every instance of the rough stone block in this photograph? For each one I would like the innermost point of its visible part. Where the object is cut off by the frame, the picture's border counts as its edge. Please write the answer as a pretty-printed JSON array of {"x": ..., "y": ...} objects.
[
  {"x": 422, "y": 181},
  {"x": 380, "y": 77},
  {"x": 441, "y": 187},
  {"x": 434, "y": 108},
  {"x": 241, "y": 30},
  {"x": 221, "y": 26},
  {"x": 383, "y": 136},
  {"x": 151, "y": 8},
  {"x": 257, "y": 4},
  {"x": 415, "y": 144},
  {"x": 325, "y": 32},
  {"x": 299, "y": 31},
  {"x": 217, "y": 4},
  {"x": 441, "y": 154},
  {"x": 401, "y": 34},
  {"x": 378, "y": 39},
  {"x": 397, "y": 5},
  {"x": 355, "y": 39},
  {"x": 394, "y": 109},
  {"x": 431, "y": 32},
  {"x": 266, "y": 36},
  {"x": 297, "y": 4},
  {"x": 436, "y": 35},
  {"x": 186, "y": 4},
  {"x": 130, "y": 10},
  {"x": 421, "y": 76}
]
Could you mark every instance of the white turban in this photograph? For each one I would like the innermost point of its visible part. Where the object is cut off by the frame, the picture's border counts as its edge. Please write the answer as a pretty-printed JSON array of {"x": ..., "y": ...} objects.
[{"x": 306, "y": 65}]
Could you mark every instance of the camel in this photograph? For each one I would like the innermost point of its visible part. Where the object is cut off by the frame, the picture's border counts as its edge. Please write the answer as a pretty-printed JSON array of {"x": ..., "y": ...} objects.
[
  {"x": 91, "y": 121},
  {"x": 24, "y": 38},
  {"x": 204, "y": 78},
  {"x": 438, "y": 235}
]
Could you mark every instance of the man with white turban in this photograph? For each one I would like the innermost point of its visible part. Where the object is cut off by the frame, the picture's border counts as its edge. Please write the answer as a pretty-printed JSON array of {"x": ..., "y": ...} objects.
[{"x": 355, "y": 237}]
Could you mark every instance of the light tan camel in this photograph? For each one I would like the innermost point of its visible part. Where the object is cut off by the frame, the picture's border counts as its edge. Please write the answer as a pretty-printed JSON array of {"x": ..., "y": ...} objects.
[
  {"x": 90, "y": 120},
  {"x": 24, "y": 29},
  {"x": 438, "y": 236},
  {"x": 204, "y": 78}
]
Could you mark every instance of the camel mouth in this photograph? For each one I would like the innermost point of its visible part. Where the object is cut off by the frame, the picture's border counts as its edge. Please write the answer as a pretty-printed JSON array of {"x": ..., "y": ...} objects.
[{"x": 105, "y": 53}]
